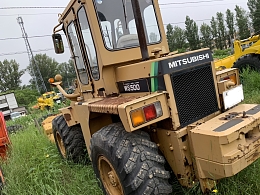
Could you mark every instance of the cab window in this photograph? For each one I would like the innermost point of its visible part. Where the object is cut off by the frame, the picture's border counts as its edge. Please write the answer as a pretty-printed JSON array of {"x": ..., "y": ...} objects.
[
  {"x": 88, "y": 43},
  {"x": 118, "y": 26},
  {"x": 75, "y": 48}
]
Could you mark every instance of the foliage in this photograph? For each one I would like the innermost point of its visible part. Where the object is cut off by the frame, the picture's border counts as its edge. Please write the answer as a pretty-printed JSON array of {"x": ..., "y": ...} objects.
[
  {"x": 214, "y": 32},
  {"x": 219, "y": 54},
  {"x": 26, "y": 96},
  {"x": 192, "y": 33},
  {"x": 10, "y": 75},
  {"x": 254, "y": 7},
  {"x": 176, "y": 38},
  {"x": 153, "y": 37},
  {"x": 179, "y": 39},
  {"x": 221, "y": 30},
  {"x": 251, "y": 84},
  {"x": 67, "y": 71},
  {"x": 47, "y": 66},
  {"x": 169, "y": 36},
  {"x": 230, "y": 25},
  {"x": 34, "y": 167},
  {"x": 242, "y": 23},
  {"x": 222, "y": 52},
  {"x": 206, "y": 36}
]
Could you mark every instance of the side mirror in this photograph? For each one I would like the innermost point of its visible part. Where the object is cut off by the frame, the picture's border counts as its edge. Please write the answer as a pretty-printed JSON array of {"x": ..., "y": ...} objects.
[{"x": 58, "y": 43}]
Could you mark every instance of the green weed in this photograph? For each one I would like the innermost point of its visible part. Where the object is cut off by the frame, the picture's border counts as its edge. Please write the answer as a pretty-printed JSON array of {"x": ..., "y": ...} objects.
[{"x": 35, "y": 167}]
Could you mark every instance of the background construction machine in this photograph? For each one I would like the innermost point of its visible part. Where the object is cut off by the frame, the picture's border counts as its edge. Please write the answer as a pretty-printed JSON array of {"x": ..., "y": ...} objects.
[
  {"x": 47, "y": 100},
  {"x": 246, "y": 54},
  {"x": 134, "y": 98}
]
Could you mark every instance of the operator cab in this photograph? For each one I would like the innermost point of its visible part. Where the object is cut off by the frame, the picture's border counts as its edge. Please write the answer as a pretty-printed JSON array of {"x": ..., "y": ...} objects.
[
  {"x": 116, "y": 25},
  {"x": 102, "y": 33}
]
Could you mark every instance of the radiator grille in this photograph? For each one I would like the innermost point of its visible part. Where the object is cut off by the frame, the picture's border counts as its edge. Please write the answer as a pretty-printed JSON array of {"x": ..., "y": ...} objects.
[{"x": 195, "y": 94}]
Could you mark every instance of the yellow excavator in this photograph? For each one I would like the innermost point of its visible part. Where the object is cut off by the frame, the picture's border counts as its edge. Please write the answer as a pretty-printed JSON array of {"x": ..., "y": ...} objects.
[{"x": 246, "y": 54}]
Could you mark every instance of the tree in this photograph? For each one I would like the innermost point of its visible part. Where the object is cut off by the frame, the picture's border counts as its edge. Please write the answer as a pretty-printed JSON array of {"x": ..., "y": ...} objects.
[
  {"x": 230, "y": 25},
  {"x": 221, "y": 30},
  {"x": 206, "y": 36},
  {"x": 178, "y": 39},
  {"x": 242, "y": 22},
  {"x": 169, "y": 35},
  {"x": 214, "y": 32},
  {"x": 67, "y": 72},
  {"x": 192, "y": 33},
  {"x": 254, "y": 7},
  {"x": 26, "y": 96},
  {"x": 153, "y": 37},
  {"x": 10, "y": 75},
  {"x": 48, "y": 68}
]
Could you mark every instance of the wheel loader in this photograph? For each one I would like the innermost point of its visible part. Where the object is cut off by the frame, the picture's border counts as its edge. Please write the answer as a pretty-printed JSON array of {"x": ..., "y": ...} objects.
[
  {"x": 246, "y": 54},
  {"x": 137, "y": 108},
  {"x": 47, "y": 100}
]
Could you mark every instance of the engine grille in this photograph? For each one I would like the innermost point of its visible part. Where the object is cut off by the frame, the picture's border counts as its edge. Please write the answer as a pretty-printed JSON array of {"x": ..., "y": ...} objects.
[{"x": 195, "y": 94}]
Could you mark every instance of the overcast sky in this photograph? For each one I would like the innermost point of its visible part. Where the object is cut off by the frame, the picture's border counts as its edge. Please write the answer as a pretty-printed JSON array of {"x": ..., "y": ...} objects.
[{"x": 38, "y": 22}]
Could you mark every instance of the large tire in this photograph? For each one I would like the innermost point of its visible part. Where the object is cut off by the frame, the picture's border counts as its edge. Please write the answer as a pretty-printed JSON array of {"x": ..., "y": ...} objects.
[
  {"x": 128, "y": 163},
  {"x": 248, "y": 61},
  {"x": 69, "y": 140}
]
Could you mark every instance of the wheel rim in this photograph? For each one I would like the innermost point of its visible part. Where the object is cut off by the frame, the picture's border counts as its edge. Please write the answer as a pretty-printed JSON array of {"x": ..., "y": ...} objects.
[
  {"x": 61, "y": 144},
  {"x": 109, "y": 177}
]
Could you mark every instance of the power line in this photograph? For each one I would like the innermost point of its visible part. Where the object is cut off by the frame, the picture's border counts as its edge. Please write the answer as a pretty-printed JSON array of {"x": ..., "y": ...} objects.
[
  {"x": 201, "y": 20},
  {"x": 32, "y": 7},
  {"x": 14, "y": 38},
  {"x": 28, "y": 14},
  {"x": 201, "y": 5},
  {"x": 59, "y": 7},
  {"x": 189, "y": 2},
  {"x": 35, "y": 36},
  {"x": 23, "y": 52}
]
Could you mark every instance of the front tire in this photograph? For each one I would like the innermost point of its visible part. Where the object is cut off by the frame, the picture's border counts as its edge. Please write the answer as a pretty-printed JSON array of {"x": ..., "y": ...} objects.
[
  {"x": 128, "y": 163},
  {"x": 248, "y": 61},
  {"x": 69, "y": 140}
]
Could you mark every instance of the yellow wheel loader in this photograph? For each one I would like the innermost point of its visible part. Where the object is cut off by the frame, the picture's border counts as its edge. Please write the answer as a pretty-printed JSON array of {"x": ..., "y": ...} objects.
[
  {"x": 246, "y": 54},
  {"x": 47, "y": 100},
  {"x": 137, "y": 107}
]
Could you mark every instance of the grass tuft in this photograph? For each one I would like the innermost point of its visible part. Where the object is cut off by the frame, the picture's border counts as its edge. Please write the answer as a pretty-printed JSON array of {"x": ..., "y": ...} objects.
[{"x": 35, "y": 167}]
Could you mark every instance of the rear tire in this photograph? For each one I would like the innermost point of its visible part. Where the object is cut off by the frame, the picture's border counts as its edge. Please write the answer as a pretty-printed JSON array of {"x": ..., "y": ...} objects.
[
  {"x": 128, "y": 163},
  {"x": 248, "y": 61},
  {"x": 69, "y": 140}
]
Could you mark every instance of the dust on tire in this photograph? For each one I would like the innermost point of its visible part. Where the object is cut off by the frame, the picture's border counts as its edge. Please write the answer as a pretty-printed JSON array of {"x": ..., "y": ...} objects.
[
  {"x": 73, "y": 140},
  {"x": 134, "y": 157}
]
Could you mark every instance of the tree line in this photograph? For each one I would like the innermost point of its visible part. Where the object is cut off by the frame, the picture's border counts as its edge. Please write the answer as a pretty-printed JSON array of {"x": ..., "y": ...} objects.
[
  {"x": 220, "y": 33},
  {"x": 10, "y": 77}
]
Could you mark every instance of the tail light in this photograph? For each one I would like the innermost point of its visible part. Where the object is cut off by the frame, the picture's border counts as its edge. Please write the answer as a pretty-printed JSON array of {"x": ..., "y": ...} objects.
[
  {"x": 231, "y": 78},
  {"x": 146, "y": 114}
]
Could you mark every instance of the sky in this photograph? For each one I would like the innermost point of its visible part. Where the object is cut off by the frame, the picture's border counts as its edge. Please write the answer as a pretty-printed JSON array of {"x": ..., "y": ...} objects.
[{"x": 40, "y": 22}]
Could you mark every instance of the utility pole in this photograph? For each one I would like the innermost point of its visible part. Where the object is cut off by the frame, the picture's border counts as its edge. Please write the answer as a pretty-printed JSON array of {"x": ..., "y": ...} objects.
[{"x": 36, "y": 74}]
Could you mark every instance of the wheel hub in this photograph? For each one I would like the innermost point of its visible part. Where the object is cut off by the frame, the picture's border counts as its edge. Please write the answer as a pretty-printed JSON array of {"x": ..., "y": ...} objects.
[
  {"x": 112, "y": 178},
  {"x": 109, "y": 177}
]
